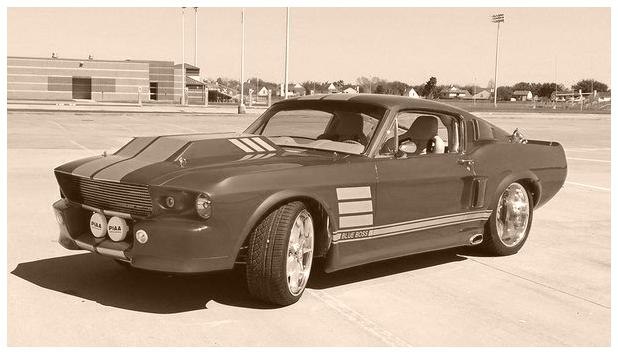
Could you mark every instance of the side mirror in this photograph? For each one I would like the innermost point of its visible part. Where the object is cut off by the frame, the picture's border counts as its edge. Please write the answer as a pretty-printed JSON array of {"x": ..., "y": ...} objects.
[
  {"x": 408, "y": 147},
  {"x": 517, "y": 137}
]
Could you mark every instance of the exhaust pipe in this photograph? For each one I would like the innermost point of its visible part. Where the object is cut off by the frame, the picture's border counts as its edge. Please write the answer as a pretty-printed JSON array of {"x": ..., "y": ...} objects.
[{"x": 476, "y": 239}]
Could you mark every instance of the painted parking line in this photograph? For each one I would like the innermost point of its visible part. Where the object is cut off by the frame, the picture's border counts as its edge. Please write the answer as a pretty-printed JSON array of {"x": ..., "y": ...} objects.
[
  {"x": 588, "y": 149},
  {"x": 67, "y": 135},
  {"x": 589, "y": 186},
  {"x": 591, "y": 160}
]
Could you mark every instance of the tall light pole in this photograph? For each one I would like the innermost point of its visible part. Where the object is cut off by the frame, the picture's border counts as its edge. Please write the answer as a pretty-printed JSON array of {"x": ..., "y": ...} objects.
[
  {"x": 241, "y": 104},
  {"x": 195, "y": 57},
  {"x": 287, "y": 51},
  {"x": 496, "y": 19},
  {"x": 182, "y": 70}
]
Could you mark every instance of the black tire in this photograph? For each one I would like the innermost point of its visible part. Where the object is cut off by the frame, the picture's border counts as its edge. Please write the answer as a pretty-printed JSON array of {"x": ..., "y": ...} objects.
[
  {"x": 492, "y": 243},
  {"x": 267, "y": 256}
]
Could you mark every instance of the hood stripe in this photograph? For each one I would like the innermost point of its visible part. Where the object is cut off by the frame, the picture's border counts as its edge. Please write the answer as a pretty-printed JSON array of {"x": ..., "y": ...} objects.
[
  {"x": 130, "y": 150},
  {"x": 240, "y": 145},
  {"x": 253, "y": 145},
  {"x": 160, "y": 150},
  {"x": 264, "y": 144}
]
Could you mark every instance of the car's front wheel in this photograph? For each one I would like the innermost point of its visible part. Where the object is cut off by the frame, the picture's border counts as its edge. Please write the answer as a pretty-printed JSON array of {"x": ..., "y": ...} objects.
[
  {"x": 509, "y": 225},
  {"x": 280, "y": 254}
]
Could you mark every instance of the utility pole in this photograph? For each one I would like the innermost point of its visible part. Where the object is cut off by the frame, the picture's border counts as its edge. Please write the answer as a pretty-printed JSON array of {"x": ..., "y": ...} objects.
[
  {"x": 182, "y": 70},
  {"x": 287, "y": 50},
  {"x": 241, "y": 104},
  {"x": 496, "y": 19},
  {"x": 555, "y": 81},
  {"x": 195, "y": 57}
]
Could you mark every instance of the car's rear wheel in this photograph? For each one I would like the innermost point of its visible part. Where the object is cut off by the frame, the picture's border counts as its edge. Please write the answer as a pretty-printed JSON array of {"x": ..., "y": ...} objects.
[
  {"x": 509, "y": 225},
  {"x": 280, "y": 255}
]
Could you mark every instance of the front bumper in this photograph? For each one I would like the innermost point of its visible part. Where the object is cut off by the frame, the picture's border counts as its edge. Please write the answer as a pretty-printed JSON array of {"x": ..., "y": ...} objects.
[{"x": 174, "y": 245}]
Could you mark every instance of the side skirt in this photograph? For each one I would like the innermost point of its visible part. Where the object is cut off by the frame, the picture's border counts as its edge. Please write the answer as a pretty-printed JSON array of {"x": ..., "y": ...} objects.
[{"x": 365, "y": 250}]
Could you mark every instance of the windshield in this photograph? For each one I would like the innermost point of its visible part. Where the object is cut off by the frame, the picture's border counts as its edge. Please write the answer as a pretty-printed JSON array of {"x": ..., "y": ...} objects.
[{"x": 335, "y": 127}]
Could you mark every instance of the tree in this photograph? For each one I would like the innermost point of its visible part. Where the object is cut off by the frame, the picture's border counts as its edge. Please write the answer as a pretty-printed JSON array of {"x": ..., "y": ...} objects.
[
  {"x": 547, "y": 89},
  {"x": 522, "y": 86},
  {"x": 504, "y": 93},
  {"x": 429, "y": 90},
  {"x": 396, "y": 88},
  {"x": 589, "y": 85},
  {"x": 379, "y": 89}
]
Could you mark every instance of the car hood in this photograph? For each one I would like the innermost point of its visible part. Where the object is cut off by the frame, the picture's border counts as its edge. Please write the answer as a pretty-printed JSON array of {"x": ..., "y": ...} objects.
[{"x": 166, "y": 160}]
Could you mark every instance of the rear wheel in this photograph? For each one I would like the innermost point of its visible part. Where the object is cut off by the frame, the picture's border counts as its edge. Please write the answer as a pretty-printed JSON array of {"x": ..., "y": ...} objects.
[
  {"x": 280, "y": 255},
  {"x": 509, "y": 225}
]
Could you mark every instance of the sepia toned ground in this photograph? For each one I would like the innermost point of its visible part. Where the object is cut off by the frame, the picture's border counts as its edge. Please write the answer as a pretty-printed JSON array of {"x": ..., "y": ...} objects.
[{"x": 555, "y": 292}]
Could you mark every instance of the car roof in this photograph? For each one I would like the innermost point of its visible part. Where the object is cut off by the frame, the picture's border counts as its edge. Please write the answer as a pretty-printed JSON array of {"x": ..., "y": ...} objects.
[{"x": 390, "y": 102}]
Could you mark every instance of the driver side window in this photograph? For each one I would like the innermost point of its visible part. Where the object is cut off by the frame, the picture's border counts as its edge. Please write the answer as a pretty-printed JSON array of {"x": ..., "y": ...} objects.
[{"x": 422, "y": 133}]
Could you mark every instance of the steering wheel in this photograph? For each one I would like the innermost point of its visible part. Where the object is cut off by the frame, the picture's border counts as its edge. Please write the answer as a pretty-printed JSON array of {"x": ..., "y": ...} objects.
[{"x": 350, "y": 141}]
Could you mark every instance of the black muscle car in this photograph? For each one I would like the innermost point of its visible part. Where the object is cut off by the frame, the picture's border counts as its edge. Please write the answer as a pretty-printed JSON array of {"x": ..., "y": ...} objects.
[{"x": 351, "y": 178}]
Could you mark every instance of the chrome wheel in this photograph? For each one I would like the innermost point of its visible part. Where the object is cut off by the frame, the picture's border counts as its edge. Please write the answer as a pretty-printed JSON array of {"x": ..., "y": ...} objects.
[
  {"x": 300, "y": 253},
  {"x": 512, "y": 215}
]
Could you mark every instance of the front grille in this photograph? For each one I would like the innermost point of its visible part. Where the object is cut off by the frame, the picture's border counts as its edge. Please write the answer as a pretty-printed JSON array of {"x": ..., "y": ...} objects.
[{"x": 115, "y": 196}]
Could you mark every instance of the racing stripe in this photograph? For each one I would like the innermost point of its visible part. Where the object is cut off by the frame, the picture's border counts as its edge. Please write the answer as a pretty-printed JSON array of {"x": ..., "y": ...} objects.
[
  {"x": 363, "y": 233},
  {"x": 240, "y": 145},
  {"x": 160, "y": 150},
  {"x": 253, "y": 145},
  {"x": 362, "y": 206},
  {"x": 353, "y": 193},
  {"x": 129, "y": 150},
  {"x": 355, "y": 220},
  {"x": 264, "y": 144}
]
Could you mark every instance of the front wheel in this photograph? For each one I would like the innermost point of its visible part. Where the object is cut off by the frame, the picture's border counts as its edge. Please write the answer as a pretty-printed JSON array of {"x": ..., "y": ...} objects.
[
  {"x": 509, "y": 225},
  {"x": 280, "y": 255}
]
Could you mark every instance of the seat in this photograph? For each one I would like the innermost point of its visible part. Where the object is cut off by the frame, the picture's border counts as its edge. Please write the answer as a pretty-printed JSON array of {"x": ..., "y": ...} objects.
[
  {"x": 346, "y": 126},
  {"x": 423, "y": 132}
]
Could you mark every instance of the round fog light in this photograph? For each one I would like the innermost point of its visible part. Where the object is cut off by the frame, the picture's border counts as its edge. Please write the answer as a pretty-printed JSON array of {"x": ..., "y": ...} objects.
[
  {"x": 117, "y": 229},
  {"x": 141, "y": 236},
  {"x": 169, "y": 202}
]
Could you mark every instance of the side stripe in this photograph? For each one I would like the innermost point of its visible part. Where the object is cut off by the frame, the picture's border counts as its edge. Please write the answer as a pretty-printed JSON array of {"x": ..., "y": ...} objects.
[
  {"x": 264, "y": 144},
  {"x": 355, "y": 220},
  {"x": 251, "y": 144},
  {"x": 353, "y": 193},
  {"x": 362, "y": 206},
  {"x": 240, "y": 145},
  {"x": 364, "y": 233}
]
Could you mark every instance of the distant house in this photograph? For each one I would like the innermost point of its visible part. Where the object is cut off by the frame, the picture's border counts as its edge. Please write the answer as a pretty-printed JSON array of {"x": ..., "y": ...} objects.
[
  {"x": 298, "y": 90},
  {"x": 603, "y": 96},
  {"x": 482, "y": 95},
  {"x": 263, "y": 92},
  {"x": 453, "y": 93},
  {"x": 411, "y": 93},
  {"x": 332, "y": 88},
  {"x": 522, "y": 95},
  {"x": 350, "y": 90}
]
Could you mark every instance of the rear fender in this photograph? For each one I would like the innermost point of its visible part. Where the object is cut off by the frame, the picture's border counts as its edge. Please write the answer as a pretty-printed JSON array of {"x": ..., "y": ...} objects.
[{"x": 527, "y": 178}]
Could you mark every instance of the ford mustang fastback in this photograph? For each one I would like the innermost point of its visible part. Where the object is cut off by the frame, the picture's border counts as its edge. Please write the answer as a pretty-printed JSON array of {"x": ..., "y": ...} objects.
[{"x": 352, "y": 179}]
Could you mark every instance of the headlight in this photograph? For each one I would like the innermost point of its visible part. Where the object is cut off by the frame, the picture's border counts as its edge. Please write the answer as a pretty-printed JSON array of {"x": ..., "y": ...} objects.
[{"x": 203, "y": 206}]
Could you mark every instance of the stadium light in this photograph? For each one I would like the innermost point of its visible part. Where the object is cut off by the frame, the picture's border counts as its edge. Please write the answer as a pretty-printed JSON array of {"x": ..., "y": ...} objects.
[
  {"x": 241, "y": 104},
  {"x": 498, "y": 18},
  {"x": 195, "y": 37},
  {"x": 287, "y": 50},
  {"x": 182, "y": 72}
]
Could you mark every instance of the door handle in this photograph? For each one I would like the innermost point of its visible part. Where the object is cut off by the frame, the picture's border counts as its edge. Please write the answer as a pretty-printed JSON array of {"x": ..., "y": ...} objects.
[
  {"x": 469, "y": 164},
  {"x": 465, "y": 162}
]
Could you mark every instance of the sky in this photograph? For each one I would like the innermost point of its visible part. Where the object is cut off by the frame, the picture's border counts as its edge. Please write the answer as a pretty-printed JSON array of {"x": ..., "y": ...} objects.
[{"x": 456, "y": 45}]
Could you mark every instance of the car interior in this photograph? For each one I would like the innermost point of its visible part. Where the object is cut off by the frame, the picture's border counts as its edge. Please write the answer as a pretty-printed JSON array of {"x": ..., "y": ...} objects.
[
  {"x": 346, "y": 127},
  {"x": 431, "y": 134}
]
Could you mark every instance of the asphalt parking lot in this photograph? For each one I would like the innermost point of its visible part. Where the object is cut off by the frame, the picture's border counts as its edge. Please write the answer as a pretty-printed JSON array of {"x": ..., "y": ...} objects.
[{"x": 555, "y": 292}]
